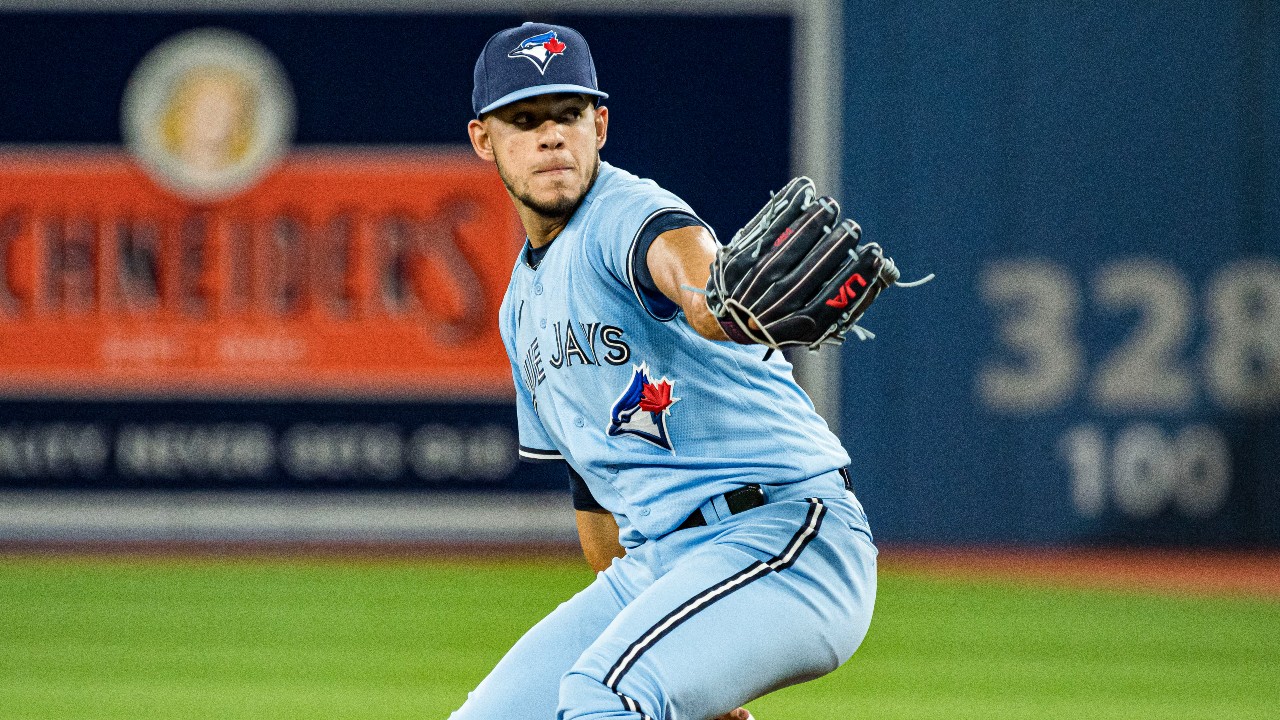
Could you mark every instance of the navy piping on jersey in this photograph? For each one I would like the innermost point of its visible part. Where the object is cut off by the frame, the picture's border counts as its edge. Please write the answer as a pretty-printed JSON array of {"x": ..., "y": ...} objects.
[
  {"x": 650, "y": 297},
  {"x": 659, "y": 306},
  {"x": 529, "y": 454},
  {"x": 756, "y": 570},
  {"x": 632, "y": 706}
]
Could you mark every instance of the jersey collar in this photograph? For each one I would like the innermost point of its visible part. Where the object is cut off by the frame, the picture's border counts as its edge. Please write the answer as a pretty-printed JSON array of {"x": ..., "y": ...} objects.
[{"x": 533, "y": 257}]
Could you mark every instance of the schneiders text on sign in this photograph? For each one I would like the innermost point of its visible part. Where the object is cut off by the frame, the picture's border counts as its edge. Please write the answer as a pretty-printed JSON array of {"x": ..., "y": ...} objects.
[{"x": 348, "y": 273}]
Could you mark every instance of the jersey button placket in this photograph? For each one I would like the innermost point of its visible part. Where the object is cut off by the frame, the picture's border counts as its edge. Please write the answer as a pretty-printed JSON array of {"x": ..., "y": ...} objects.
[{"x": 537, "y": 288}]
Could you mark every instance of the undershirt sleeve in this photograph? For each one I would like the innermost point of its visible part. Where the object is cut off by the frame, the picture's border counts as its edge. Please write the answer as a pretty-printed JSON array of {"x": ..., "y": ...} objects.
[
  {"x": 658, "y": 305},
  {"x": 582, "y": 497}
]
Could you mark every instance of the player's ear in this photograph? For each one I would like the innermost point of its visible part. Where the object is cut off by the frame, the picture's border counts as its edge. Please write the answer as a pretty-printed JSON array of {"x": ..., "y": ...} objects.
[
  {"x": 602, "y": 125},
  {"x": 481, "y": 141}
]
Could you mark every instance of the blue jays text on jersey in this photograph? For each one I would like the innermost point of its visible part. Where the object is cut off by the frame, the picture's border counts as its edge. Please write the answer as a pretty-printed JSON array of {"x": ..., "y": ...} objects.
[
  {"x": 656, "y": 418},
  {"x": 607, "y": 337}
]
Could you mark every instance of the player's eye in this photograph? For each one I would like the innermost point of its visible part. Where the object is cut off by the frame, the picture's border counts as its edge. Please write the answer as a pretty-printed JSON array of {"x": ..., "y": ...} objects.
[{"x": 571, "y": 115}]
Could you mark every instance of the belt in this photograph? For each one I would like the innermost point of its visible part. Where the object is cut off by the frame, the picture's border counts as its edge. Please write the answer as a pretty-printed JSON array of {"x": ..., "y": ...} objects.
[{"x": 745, "y": 498}]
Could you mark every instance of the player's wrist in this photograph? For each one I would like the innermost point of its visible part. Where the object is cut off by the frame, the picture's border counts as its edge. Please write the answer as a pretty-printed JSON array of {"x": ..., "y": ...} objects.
[{"x": 703, "y": 320}]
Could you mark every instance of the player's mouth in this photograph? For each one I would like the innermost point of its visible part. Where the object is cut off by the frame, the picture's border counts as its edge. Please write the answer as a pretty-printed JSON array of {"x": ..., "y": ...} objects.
[{"x": 554, "y": 170}]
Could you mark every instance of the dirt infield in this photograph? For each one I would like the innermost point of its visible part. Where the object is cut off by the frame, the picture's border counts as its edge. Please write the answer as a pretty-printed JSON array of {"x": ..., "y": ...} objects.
[{"x": 1255, "y": 574}]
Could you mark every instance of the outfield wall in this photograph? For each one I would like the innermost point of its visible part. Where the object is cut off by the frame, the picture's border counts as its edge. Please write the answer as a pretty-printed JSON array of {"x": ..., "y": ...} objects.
[
  {"x": 330, "y": 323},
  {"x": 1097, "y": 187},
  {"x": 294, "y": 339},
  {"x": 307, "y": 329}
]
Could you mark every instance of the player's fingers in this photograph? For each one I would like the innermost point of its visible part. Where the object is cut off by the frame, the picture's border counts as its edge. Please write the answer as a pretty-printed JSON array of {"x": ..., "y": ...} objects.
[{"x": 738, "y": 714}]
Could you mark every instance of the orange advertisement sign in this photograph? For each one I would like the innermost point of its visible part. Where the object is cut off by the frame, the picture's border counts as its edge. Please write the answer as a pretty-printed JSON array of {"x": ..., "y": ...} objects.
[{"x": 339, "y": 274}]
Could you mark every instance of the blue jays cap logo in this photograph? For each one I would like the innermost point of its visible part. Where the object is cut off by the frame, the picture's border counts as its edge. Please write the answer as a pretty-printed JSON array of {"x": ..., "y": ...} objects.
[
  {"x": 642, "y": 409},
  {"x": 539, "y": 50}
]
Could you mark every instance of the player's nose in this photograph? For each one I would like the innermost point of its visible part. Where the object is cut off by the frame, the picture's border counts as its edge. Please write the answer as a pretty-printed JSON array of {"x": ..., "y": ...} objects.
[{"x": 550, "y": 135}]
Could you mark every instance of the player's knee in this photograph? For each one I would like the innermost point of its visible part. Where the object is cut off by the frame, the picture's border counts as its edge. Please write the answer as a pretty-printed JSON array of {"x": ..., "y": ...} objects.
[{"x": 582, "y": 696}]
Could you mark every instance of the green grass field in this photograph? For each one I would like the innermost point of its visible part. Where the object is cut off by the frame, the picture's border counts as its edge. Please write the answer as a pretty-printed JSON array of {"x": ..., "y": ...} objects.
[{"x": 113, "y": 638}]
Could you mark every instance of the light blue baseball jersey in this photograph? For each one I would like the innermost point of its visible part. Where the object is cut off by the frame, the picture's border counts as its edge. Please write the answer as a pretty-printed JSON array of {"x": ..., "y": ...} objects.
[{"x": 656, "y": 418}]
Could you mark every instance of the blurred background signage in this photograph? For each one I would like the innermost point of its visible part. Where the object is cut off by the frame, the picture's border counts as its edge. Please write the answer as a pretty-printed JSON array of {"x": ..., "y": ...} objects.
[
  {"x": 254, "y": 251},
  {"x": 211, "y": 261}
]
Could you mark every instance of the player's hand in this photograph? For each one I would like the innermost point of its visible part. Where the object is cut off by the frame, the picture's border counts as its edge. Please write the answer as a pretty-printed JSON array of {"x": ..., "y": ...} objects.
[{"x": 738, "y": 714}]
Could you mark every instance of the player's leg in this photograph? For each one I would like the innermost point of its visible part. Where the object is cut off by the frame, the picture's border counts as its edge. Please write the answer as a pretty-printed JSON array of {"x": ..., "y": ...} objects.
[
  {"x": 776, "y": 596},
  {"x": 526, "y": 682}
]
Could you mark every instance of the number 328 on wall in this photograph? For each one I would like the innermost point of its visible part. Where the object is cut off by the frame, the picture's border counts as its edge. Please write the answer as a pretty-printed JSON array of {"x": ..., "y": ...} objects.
[{"x": 1038, "y": 311}]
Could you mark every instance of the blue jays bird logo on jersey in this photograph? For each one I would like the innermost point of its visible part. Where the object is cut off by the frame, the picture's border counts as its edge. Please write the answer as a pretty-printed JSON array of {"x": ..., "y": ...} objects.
[
  {"x": 642, "y": 408},
  {"x": 539, "y": 50}
]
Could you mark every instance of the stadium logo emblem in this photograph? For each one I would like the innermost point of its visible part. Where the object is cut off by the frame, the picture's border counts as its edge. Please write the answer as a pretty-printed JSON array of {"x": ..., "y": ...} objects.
[
  {"x": 643, "y": 407},
  {"x": 208, "y": 113},
  {"x": 539, "y": 50}
]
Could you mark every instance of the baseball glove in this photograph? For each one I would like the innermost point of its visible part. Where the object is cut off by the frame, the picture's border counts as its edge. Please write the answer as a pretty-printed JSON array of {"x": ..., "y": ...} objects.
[{"x": 796, "y": 276}]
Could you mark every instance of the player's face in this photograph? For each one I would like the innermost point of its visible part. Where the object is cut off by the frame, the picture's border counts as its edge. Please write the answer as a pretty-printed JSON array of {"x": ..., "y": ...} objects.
[{"x": 547, "y": 149}]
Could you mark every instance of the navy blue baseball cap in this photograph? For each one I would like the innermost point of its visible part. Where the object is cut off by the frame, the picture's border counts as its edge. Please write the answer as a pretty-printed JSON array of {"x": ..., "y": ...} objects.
[{"x": 533, "y": 59}]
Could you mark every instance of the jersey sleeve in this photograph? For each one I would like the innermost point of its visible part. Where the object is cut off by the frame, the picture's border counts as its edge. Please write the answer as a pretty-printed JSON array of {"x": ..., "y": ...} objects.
[
  {"x": 659, "y": 306},
  {"x": 627, "y": 221}
]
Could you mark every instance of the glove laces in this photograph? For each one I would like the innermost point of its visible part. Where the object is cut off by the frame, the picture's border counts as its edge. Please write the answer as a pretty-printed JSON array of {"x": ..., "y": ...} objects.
[{"x": 889, "y": 269}]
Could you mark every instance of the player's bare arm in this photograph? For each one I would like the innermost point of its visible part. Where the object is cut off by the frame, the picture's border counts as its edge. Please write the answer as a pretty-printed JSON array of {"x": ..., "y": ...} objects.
[
  {"x": 679, "y": 260},
  {"x": 598, "y": 535}
]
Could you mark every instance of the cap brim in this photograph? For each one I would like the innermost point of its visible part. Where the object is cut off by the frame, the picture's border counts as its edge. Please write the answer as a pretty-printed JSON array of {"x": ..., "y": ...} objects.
[{"x": 539, "y": 90}]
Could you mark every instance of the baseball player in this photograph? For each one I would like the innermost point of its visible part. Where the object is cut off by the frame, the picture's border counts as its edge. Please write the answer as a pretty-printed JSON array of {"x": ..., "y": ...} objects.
[{"x": 748, "y": 562}]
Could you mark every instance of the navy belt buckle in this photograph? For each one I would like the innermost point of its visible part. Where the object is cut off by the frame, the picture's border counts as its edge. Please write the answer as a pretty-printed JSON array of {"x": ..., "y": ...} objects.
[{"x": 744, "y": 498}]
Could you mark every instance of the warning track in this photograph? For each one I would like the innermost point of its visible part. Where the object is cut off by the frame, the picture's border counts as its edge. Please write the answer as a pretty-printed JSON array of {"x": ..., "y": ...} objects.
[{"x": 1197, "y": 572}]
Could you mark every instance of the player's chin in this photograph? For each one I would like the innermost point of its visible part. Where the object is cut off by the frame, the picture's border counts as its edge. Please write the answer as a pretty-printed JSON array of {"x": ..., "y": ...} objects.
[
  {"x": 555, "y": 204},
  {"x": 559, "y": 209},
  {"x": 558, "y": 183}
]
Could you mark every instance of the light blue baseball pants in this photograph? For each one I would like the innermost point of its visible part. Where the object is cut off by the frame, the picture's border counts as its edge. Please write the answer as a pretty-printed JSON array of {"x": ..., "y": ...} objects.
[{"x": 698, "y": 622}]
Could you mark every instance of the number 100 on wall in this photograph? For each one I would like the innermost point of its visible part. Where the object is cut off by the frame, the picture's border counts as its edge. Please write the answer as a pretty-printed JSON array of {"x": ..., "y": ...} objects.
[{"x": 1168, "y": 353}]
